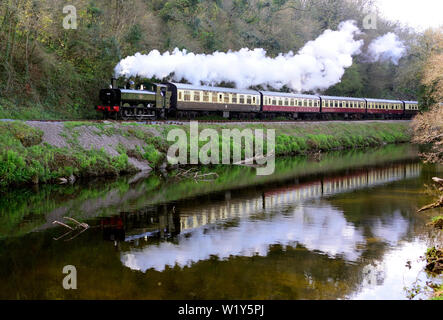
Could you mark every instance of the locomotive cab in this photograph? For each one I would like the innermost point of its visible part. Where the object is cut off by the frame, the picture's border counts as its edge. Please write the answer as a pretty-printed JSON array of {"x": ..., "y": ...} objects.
[{"x": 135, "y": 102}]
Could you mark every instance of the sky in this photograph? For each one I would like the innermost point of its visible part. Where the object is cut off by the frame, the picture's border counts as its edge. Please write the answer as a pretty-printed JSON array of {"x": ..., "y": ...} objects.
[{"x": 419, "y": 14}]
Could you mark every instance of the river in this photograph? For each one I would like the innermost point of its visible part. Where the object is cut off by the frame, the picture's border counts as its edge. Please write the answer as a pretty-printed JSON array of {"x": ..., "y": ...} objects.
[{"x": 340, "y": 227}]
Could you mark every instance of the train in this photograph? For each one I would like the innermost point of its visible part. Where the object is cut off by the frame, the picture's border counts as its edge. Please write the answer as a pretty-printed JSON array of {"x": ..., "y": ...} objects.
[{"x": 186, "y": 101}]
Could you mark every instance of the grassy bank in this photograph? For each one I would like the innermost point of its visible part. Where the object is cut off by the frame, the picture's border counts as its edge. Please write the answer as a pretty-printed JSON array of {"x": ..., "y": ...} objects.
[{"x": 46, "y": 152}]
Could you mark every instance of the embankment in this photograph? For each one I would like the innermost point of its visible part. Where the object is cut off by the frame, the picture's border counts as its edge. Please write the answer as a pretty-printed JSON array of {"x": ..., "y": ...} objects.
[{"x": 57, "y": 152}]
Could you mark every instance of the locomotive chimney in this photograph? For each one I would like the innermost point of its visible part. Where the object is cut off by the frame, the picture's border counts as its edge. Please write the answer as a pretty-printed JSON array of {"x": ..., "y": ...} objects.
[{"x": 114, "y": 83}]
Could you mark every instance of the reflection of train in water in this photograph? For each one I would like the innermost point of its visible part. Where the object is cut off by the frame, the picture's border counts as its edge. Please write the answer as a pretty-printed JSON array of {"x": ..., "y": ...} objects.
[
  {"x": 167, "y": 221},
  {"x": 251, "y": 222},
  {"x": 194, "y": 217}
]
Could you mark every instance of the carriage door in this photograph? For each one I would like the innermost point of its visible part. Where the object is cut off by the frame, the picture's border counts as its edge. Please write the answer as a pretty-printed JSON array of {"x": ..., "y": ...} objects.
[{"x": 163, "y": 97}]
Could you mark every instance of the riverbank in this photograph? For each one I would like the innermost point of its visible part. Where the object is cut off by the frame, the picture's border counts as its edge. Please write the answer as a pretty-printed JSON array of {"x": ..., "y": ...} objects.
[{"x": 35, "y": 152}]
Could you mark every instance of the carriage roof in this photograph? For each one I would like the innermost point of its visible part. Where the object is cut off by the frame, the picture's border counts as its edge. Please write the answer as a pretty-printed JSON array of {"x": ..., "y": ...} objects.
[{"x": 184, "y": 86}]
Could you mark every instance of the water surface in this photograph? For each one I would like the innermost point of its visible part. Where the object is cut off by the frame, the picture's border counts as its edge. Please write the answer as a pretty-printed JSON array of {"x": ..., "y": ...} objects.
[{"x": 344, "y": 227}]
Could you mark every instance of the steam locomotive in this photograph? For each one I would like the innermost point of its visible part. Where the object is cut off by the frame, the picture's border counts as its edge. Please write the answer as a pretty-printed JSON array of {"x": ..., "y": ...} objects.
[{"x": 178, "y": 100}]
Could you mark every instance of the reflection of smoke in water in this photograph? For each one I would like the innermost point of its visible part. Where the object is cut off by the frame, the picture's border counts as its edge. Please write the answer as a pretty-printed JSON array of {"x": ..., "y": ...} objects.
[{"x": 325, "y": 230}]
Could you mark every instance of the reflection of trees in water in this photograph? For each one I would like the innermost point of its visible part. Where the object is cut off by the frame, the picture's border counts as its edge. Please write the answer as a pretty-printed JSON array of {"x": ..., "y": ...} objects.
[
  {"x": 291, "y": 271},
  {"x": 26, "y": 210}
]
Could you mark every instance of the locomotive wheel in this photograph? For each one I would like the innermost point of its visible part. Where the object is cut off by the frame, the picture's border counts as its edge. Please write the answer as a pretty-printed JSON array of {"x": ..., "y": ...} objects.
[
  {"x": 126, "y": 114},
  {"x": 139, "y": 114}
]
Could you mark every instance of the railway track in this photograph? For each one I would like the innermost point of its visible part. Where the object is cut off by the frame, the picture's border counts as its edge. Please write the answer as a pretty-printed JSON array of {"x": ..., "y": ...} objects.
[{"x": 182, "y": 122}]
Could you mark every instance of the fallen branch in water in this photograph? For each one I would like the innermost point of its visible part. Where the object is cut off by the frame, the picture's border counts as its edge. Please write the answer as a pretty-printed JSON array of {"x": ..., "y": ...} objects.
[
  {"x": 250, "y": 161},
  {"x": 194, "y": 173},
  {"x": 80, "y": 226},
  {"x": 439, "y": 202}
]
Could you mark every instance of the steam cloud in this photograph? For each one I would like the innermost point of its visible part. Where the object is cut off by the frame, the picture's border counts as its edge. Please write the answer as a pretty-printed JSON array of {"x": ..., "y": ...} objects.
[
  {"x": 318, "y": 65},
  {"x": 387, "y": 47}
]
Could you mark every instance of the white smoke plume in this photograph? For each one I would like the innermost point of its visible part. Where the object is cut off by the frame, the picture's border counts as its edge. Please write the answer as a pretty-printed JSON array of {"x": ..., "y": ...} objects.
[
  {"x": 318, "y": 65},
  {"x": 387, "y": 47}
]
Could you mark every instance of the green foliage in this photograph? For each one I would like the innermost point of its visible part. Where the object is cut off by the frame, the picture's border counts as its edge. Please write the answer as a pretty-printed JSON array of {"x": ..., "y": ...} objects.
[
  {"x": 48, "y": 72},
  {"x": 152, "y": 155},
  {"x": 23, "y": 159}
]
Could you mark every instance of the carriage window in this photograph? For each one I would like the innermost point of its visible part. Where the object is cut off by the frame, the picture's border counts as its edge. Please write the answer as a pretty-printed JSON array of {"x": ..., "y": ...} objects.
[
  {"x": 214, "y": 97},
  {"x": 340, "y": 104},
  {"x": 226, "y": 98},
  {"x": 286, "y": 102},
  {"x": 336, "y": 104},
  {"x": 292, "y": 102},
  {"x": 274, "y": 102},
  {"x": 196, "y": 95},
  {"x": 249, "y": 100},
  {"x": 305, "y": 103},
  {"x": 253, "y": 100},
  {"x": 179, "y": 95},
  {"x": 242, "y": 98},
  {"x": 280, "y": 102},
  {"x": 220, "y": 98},
  {"x": 205, "y": 96},
  {"x": 187, "y": 95},
  {"x": 234, "y": 98}
]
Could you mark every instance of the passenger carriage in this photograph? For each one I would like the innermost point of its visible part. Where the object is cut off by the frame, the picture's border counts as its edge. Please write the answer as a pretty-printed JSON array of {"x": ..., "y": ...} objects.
[
  {"x": 280, "y": 102},
  {"x": 186, "y": 97},
  {"x": 392, "y": 108},
  {"x": 410, "y": 108},
  {"x": 331, "y": 104}
]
